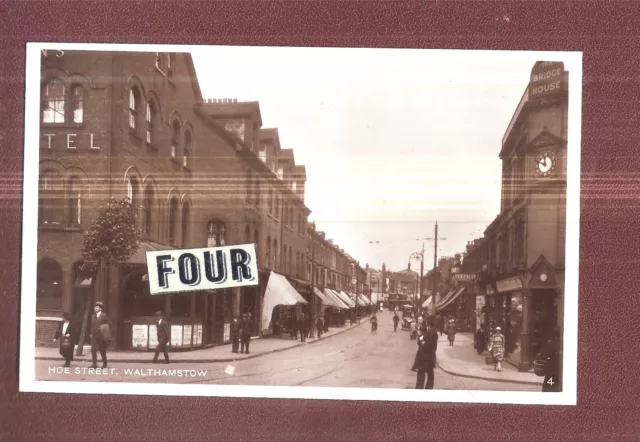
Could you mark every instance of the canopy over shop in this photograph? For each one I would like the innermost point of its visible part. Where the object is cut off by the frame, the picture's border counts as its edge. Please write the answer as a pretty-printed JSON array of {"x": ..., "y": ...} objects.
[{"x": 278, "y": 292}]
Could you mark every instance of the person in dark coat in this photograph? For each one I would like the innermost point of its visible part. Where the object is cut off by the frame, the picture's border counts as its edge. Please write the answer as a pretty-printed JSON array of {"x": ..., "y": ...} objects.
[
  {"x": 163, "y": 332},
  {"x": 67, "y": 334},
  {"x": 396, "y": 319},
  {"x": 319, "y": 326},
  {"x": 293, "y": 327},
  {"x": 235, "y": 334},
  {"x": 245, "y": 334},
  {"x": 303, "y": 326},
  {"x": 480, "y": 341},
  {"x": 100, "y": 335},
  {"x": 425, "y": 360}
]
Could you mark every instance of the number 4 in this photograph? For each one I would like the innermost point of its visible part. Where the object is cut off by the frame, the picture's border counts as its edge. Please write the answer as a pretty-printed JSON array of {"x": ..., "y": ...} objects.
[{"x": 550, "y": 381}]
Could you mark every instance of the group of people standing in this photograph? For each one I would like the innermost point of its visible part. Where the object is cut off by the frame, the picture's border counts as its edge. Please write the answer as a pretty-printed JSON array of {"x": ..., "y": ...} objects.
[{"x": 241, "y": 330}]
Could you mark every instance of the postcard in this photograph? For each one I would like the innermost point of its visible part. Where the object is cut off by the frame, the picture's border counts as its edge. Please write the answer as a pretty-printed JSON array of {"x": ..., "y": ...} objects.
[{"x": 292, "y": 222}]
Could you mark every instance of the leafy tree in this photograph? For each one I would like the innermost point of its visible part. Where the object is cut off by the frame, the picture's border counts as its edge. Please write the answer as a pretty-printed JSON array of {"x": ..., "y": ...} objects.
[{"x": 112, "y": 239}]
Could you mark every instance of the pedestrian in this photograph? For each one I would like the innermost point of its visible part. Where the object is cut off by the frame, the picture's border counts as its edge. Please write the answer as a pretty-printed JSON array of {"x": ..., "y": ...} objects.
[
  {"x": 293, "y": 327},
  {"x": 303, "y": 327},
  {"x": 374, "y": 323},
  {"x": 246, "y": 331},
  {"x": 425, "y": 359},
  {"x": 496, "y": 348},
  {"x": 163, "y": 332},
  {"x": 480, "y": 339},
  {"x": 67, "y": 334},
  {"x": 234, "y": 330},
  {"x": 420, "y": 322},
  {"x": 325, "y": 321},
  {"x": 100, "y": 335},
  {"x": 413, "y": 332},
  {"x": 319, "y": 326},
  {"x": 396, "y": 319},
  {"x": 551, "y": 355},
  {"x": 451, "y": 329}
]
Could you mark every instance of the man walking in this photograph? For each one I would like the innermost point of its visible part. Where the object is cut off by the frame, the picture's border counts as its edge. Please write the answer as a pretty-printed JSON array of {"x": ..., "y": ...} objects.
[
  {"x": 303, "y": 326},
  {"x": 235, "y": 334},
  {"x": 425, "y": 360},
  {"x": 396, "y": 319},
  {"x": 163, "y": 333},
  {"x": 319, "y": 326},
  {"x": 246, "y": 332},
  {"x": 100, "y": 325}
]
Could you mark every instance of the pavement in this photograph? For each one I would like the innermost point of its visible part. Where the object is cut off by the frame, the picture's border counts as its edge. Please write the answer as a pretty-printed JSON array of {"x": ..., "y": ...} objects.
[
  {"x": 222, "y": 353},
  {"x": 461, "y": 359},
  {"x": 355, "y": 358}
]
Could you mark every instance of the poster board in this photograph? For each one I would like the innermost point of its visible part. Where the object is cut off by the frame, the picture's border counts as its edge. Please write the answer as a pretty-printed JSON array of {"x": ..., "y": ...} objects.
[
  {"x": 153, "y": 336},
  {"x": 187, "y": 334},
  {"x": 140, "y": 336},
  {"x": 176, "y": 336}
]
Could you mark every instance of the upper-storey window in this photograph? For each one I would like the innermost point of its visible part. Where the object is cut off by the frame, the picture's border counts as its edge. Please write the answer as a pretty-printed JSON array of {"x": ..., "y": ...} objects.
[
  {"x": 151, "y": 120},
  {"x": 134, "y": 108},
  {"x": 53, "y": 102},
  {"x": 216, "y": 234},
  {"x": 187, "y": 149},
  {"x": 175, "y": 139},
  {"x": 78, "y": 104},
  {"x": 74, "y": 206}
]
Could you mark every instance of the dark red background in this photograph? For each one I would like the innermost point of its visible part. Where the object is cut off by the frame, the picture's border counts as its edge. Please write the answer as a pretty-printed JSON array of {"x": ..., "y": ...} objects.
[{"x": 607, "y": 33}]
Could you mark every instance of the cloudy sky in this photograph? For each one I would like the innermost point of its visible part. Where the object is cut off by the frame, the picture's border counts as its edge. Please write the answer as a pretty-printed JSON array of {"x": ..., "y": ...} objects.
[{"x": 392, "y": 140}]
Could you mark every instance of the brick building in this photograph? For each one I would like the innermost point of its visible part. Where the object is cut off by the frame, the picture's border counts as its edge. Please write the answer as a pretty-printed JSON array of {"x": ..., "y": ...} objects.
[{"x": 123, "y": 124}]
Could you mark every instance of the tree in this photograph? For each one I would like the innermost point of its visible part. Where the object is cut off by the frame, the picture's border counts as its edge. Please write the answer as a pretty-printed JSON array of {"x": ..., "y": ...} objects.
[{"x": 112, "y": 239}]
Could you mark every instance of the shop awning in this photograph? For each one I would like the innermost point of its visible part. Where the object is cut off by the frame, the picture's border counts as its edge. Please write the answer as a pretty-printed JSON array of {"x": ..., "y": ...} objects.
[
  {"x": 140, "y": 255},
  {"x": 278, "y": 292},
  {"x": 337, "y": 300},
  {"x": 352, "y": 302},
  {"x": 325, "y": 300},
  {"x": 444, "y": 298},
  {"x": 344, "y": 298},
  {"x": 450, "y": 299},
  {"x": 365, "y": 301},
  {"x": 360, "y": 302},
  {"x": 427, "y": 303}
]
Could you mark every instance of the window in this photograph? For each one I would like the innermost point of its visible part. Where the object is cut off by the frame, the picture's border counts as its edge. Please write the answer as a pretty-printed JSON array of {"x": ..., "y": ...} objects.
[
  {"x": 262, "y": 154},
  {"x": 53, "y": 102},
  {"x": 50, "y": 198},
  {"x": 78, "y": 104},
  {"x": 281, "y": 173},
  {"x": 175, "y": 139},
  {"x": 268, "y": 252},
  {"x": 147, "y": 213},
  {"x": 270, "y": 201},
  {"x": 134, "y": 107},
  {"x": 173, "y": 219},
  {"x": 275, "y": 254},
  {"x": 185, "y": 225},
  {"x": 284, "y": 259},
  {"x": 158, "y": 61},
  {"x": 49, "y": 289},
  {"x": 132, "y": 190},
  {"x": 151, "y": 119},
  {"x": 293, "y": 185},
  {"x": 216, "y": 234},
  {"x": 169, "y": 65},
  {"x": 74, "y": 203},
  {"x": 187, "y": 149}
]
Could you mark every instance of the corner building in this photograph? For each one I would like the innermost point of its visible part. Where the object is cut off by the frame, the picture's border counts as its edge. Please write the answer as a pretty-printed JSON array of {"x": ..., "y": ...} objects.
[{"x": 122, "y": 124}]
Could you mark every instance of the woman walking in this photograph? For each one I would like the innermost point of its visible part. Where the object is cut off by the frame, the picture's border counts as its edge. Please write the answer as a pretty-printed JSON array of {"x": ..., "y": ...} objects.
[
  {"x": 66, "y": 333},
  {"x": 451, "y": 329},
  {"x": 496, "y": 348}
]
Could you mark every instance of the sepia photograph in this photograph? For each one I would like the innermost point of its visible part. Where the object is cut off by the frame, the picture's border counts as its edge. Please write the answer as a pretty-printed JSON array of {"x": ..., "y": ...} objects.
[{"x": 301, "y": 222}]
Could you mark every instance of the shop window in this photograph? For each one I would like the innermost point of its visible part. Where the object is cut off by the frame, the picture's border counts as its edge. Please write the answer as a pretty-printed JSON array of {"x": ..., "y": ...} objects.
[
  {"x": 134, "y": 108},
  {"x": 49, "y": 289},
  {"x": 147, "y": 210},
  {"x": 74, "y": 205},
  {"x": 53, "y": 102},
  {"x": 78, "y": 103},
  {"x": 185, "y": 224},
  {"x": 187, "y": 149},
  {"x": 216, "y": 234},
  {"x": 50, "y": 204},
  {"x": 175, "y": 139},
  {"x": 173, "y": 220},
  {"x": 137, "y": 300},
  {"x": 151, "y": 122}
]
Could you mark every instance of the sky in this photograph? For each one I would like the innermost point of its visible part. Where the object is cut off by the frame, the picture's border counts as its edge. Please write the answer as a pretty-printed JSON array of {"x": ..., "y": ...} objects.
[{"x": 393, "y": 140}]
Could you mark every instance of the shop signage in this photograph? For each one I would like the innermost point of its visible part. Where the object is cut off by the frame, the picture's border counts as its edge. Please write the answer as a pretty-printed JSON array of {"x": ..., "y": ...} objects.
[
  {"x": 226, "y": 336},
  {"x": 490, "y": 290},
  {"x": 72, "y": 141},
  {"x": 188, "y": 270},
  {"x": 507, "y": 285},
  {"x": 546, "y": 78},
  {"x": 140, "y": 336},
  {"x": 464, "y": 277}
]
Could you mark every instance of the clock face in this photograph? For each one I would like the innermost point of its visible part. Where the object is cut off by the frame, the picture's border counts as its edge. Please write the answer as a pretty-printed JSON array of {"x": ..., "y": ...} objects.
[{"x": 545, "y": 163}]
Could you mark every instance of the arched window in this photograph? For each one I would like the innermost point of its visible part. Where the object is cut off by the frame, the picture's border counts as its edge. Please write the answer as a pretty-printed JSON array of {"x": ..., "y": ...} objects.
[
  {"x": 147, "y": 210},
  {"x": 133, "y": 190},
  {"x": 134, "y": 108},
  {"x": 175, "y": 139},
  {"x": 53, "y": 102},
  {"x": 268, "y": 252},
  {"x": 187, "y": 149},
  {"x": 185, "y": 224},
  {"x": 173, "y": 220},
  {"x": 248, "y": 184},
  {"x": 78, "y": 103},
  {"x": 49, "y": 291},
  {"x": 151, "y": 121},
  {"x": 216, "y": 234},
  {"x": 50, "y": 204},
  {"x": 74, "y": 206}
]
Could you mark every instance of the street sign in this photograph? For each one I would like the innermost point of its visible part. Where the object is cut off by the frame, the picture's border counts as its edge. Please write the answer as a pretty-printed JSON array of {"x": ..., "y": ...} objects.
[{"x": 464, "y": 277}]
